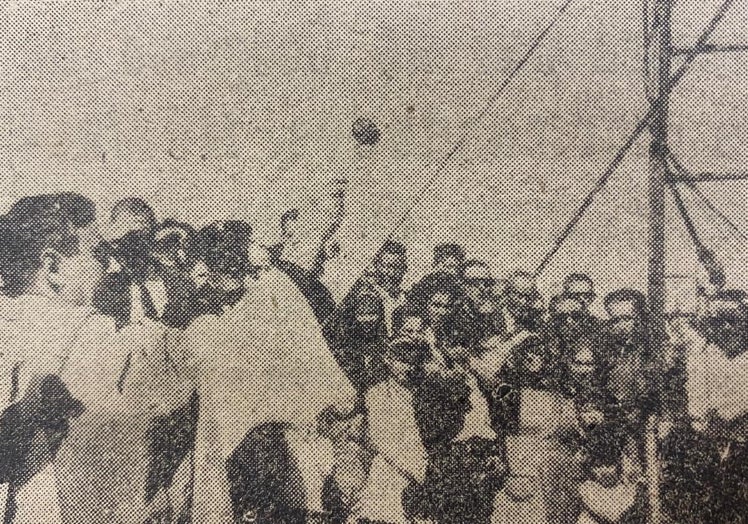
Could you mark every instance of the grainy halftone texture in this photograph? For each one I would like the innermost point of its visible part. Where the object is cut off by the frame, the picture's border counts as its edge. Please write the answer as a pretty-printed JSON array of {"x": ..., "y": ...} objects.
[{"x": 516, "y": 129}]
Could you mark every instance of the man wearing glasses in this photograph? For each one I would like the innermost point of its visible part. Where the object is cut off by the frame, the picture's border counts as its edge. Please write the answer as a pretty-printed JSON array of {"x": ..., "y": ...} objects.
[{"x": 477, "y": 317}]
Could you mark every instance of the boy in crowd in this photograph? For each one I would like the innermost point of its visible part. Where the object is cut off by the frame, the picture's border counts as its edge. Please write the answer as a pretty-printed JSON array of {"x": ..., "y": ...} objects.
[
  {"x": 400, "y": 456},
  {"x": 448, "y": 258}
]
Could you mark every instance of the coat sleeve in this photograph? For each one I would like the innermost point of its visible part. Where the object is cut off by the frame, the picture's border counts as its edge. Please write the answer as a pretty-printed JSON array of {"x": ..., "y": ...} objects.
[{"x": 119, "y": 371}]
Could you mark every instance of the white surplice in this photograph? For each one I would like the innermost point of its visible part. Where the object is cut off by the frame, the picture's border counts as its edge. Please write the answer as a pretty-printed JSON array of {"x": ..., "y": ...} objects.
[
  {"x": 36, "y": 335},
  {"x": 264, "y": 360}
]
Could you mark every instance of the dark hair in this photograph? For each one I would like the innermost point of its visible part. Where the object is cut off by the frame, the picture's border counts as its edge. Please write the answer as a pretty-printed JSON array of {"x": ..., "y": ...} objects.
[
  {"x": 134, "y": 206},
  {"x": 291, "y": 214},
  {"x": 35, "y": 224},
  {"x": 223, "y": 246},
  {"x": 627, "y": 295},
  {"x": 391, "y": 247},
  {"x": 421, "y": 293},
  {"x": 172, "y": 239},
  {"x": 445, "y": 251}
]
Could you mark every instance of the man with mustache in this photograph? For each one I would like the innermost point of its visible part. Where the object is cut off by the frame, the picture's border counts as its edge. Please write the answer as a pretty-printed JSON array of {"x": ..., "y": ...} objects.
[{"x": 476, "y": 319}]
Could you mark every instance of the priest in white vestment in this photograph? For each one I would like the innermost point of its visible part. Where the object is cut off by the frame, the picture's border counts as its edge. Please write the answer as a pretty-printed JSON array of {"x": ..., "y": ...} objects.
[{"x": 263, "y": 362}]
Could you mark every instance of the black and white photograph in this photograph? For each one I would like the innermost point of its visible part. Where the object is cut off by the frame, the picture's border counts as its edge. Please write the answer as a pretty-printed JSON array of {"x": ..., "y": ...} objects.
[{"x": 373, "y": 262}]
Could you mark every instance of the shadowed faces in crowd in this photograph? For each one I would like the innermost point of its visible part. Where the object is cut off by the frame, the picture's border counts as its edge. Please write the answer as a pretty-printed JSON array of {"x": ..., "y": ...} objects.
[
  {"x": 566, "y": 310},
  {"x": 580, "y": 287},
  {"x": 477, "y": 286},
  {"x": 626, "y": 310},
  {"x": 448, "y": 258},
  {"x": 439, "y": 308},
  {"x": 390, "y": 267},
  {"x": 433, "y": 298},
  {"x": 725, "y": 324},
  {"x": 411, "y": 327},
  {"x": 221, "y": 255},
  {"x": 523, "y": 301}
]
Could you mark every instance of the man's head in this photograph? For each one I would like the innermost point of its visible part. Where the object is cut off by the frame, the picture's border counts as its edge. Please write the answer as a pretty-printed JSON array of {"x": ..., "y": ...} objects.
[
  {"x": 434, "y": 297},
  {"x": 408, "y": 323},
  {"x": 221, "y": 255},
  {"x": 567, "y": 310},
  {"x": 129, "y": 215},
  {"x": 390, "y": 265},
  {"x": 565, "y": 305},
  {"x": 477, "y": 285},
  {"x": 725, "y": 323},
  {"x": 49, "y": 245},
  {"x": 448, "y": 258},
  {"x": 171, "y": 244},
  {"x": 523, "y": 301},
  {"x": 627, "y": 311},
  {"x": 581, "y": 287}
]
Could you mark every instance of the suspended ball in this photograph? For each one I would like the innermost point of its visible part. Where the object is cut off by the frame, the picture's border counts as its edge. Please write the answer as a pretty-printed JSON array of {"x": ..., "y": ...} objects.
[{"x": 365, "y": 132}]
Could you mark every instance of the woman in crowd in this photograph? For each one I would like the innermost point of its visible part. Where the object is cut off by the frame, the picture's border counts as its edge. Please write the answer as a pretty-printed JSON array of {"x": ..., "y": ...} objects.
[
  {"x": 358, "y": 339},
  {"x": 465, "y": 460}
]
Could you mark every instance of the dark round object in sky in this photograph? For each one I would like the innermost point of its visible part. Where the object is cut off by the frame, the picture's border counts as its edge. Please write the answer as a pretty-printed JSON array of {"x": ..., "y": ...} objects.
[{"x": 365, "y": 132}]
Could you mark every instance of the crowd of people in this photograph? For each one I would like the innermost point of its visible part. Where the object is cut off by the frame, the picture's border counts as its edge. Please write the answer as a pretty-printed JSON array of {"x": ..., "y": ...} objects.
[{"x": 162, "y": 373}]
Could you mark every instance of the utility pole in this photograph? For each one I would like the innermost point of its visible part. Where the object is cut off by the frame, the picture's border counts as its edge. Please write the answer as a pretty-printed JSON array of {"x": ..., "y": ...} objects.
[{"x": 659, "y": 79}]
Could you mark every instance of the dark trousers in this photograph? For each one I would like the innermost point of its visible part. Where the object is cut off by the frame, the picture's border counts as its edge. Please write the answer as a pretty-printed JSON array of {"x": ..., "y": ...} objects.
[
  {"x": 700, "y": 486},
  {"x": 265, "y": 483},
  {"x": 460, "y": 484}
]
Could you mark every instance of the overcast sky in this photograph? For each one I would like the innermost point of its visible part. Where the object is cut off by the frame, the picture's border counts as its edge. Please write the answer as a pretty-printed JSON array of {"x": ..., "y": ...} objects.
[{"x": 212, "y": 110}]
